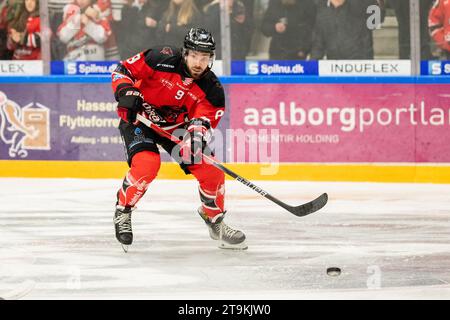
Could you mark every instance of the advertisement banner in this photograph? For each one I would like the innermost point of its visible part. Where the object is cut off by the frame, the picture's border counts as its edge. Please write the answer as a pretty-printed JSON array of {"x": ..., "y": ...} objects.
[
  {"x": 83, "y": 68},
  {"x": 435, "y": 68},
  {"x": 274, "y": 68},
  {"x": 59, "y": 122},
  {"x": 21, "y": 68},
  {"x": 337, "y": 123},
  {"x": 70, "y": 121},
  {"x": 343, "y": 122},
  {"x": 86, "y": 68},
  {"x": 365, "y": 68}
]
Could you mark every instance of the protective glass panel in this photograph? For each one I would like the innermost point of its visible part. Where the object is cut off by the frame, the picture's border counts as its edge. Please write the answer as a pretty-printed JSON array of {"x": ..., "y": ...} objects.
[
  {"x": 20, "y": 41},
  {"x": 329, "y": 29}
]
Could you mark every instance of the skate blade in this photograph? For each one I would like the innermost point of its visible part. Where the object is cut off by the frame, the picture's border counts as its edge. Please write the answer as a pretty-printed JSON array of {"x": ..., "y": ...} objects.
[
  {"x": 125, "y": 248},
  {"x": 227, "y": 246}
]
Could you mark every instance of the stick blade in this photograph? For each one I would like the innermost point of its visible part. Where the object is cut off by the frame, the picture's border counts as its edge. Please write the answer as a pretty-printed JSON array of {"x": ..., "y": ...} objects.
[{"x": 310, "y": 207}]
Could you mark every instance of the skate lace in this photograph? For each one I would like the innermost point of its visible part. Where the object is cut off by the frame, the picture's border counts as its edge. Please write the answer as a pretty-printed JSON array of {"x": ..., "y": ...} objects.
[
  {"x": 124, "y": 222},
  {"x": 227, "y": 231}
]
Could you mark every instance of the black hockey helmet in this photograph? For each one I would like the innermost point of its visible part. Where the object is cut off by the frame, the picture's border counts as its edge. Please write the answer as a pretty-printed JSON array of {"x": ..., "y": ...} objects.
[{"x": 199, "y": 39}]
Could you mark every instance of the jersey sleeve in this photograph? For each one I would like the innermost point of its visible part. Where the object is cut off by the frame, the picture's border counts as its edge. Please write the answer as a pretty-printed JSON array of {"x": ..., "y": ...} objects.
[
  {"x": 212, "y": 106},
  {"x": 139, "y": 65},
  {"x": 130, "y": 71}
]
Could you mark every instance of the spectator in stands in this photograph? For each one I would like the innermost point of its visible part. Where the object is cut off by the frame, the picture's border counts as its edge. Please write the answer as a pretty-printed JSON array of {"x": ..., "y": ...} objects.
[
  {"x": 138, "y": 26},
  {"x": 180, "y": 16},
  {"x": 240, "y": 27},
  {"x": 24, "y": 37},
  {"x": 341, "y": 30},
  {"x": 202, "y": 3},
  {"x": 84, "y": 32},
  {"x": 9, "y": 9},
  {"x": 439, "y": 24},
  {"x": 55, "y": 11},
  {"x": 249, "y": 17},
  {"x": 4, "y": 52},
  {"x": 104, "y": 8},
  {"x": 289, "y": 23},
  {"x": 105, "y": 12},
  {"x": 402, "y": 14}
]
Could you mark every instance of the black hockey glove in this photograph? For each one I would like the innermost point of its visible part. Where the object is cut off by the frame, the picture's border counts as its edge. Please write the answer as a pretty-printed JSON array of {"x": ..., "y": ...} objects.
[
  {"x": 130, "y": 101},
  {"x": 196, "y": 139}
]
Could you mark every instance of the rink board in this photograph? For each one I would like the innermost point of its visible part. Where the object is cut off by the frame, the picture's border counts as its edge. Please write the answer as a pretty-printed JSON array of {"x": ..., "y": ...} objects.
[
  {"x": 325, "y": 129},
  {"x": 284, "y": 172}
]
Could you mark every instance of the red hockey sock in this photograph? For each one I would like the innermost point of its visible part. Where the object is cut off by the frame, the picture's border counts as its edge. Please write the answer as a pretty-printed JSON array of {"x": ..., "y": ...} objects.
[
  {"x": 211, "y": 188},
  {"x": 144, "y": 168}
]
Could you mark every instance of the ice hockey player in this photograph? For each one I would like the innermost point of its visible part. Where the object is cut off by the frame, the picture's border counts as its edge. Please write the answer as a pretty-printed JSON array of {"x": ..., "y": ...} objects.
[{"x": 174, "y": 88}]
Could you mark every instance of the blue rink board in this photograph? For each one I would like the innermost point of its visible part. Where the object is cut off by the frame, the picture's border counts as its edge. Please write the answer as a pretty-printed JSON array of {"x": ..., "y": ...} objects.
[{"x": 244, "y": 79}]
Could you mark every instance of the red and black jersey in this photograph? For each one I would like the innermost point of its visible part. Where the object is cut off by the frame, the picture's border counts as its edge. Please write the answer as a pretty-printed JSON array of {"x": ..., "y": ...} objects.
[{"x": 171, "y": 96}]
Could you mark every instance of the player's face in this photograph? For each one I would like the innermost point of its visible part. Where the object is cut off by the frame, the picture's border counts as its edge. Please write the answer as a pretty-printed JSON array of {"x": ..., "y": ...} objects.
[{"x": 197, "y": 62}]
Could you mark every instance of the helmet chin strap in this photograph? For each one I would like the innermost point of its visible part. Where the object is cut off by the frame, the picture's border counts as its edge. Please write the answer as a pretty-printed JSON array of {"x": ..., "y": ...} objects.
[{"x": 211, "y": 61}]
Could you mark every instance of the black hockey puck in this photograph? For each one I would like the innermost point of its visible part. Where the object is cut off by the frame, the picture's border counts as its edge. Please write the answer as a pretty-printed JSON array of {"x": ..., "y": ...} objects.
[{"x": 333, "y": 271}]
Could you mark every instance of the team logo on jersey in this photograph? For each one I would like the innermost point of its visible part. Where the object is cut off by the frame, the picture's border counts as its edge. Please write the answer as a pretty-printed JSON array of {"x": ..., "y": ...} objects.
[
  {"x": 167, "y": 83},
  {"x": 187, "y": 81},
  {"x": 171, "y": 113},
  {"x": 167, "y": 51},
  {"x": 24, "y": 128},
  {"x": 165, "y": 114}
]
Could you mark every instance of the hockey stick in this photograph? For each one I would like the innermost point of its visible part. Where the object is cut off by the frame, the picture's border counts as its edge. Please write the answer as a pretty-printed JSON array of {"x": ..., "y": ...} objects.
[{"x": 300, "y": 211}]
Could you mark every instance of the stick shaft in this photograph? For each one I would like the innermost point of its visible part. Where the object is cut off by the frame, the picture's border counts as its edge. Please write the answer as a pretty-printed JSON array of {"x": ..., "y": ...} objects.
[{"x": 215, "y": 163}]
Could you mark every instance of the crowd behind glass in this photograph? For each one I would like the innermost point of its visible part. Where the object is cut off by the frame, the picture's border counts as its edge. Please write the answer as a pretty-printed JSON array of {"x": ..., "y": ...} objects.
[{"x": 95, "y": 30}]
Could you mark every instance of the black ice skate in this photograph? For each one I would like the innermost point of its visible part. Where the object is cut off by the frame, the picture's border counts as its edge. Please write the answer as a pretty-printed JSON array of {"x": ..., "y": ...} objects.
[
  {"x": 228, "y": 238},
  {"x": 122, "y": 223}
]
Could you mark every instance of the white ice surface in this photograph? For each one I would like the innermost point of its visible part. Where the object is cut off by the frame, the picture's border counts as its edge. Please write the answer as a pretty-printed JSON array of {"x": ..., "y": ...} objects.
[{"x": 392, "y": 241}]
